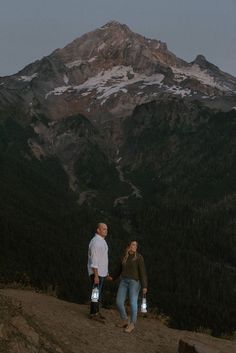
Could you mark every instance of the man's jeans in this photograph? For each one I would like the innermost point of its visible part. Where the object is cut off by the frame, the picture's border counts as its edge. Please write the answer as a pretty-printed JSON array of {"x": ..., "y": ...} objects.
[
  {"x": 131, "y": 287},
  {"x": 94, "y": 306}
]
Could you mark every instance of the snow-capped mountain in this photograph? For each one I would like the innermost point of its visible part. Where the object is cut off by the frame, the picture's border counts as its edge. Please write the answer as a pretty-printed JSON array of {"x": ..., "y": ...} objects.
[
  {"x": 109, "y": 71},
  {"x": 80, "y": 102}
]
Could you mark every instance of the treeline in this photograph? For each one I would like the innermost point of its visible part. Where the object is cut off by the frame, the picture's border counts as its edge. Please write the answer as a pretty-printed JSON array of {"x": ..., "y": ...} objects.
[
  {"x": 191, "y": 260},
  {"x": 40, "y": 224}
]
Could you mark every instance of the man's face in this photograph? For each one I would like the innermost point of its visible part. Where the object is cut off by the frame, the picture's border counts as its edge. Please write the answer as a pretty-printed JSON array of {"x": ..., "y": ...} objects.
[{"x": 102, "y": 230}]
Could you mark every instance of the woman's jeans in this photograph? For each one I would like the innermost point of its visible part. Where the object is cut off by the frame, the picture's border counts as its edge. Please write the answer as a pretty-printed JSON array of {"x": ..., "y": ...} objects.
[
  {"x": 94, "y": 307},
  {"x": 131, "y": 287}
]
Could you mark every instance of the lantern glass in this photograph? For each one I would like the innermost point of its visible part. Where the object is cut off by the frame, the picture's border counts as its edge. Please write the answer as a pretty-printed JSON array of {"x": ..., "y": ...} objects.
[
  {"x": 144, "y": 305},
  {"x": 95, "y": 294}
]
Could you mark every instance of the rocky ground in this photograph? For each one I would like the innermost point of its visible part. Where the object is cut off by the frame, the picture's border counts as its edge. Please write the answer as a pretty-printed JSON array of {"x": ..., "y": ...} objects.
[{"x": 34, "y": 322}]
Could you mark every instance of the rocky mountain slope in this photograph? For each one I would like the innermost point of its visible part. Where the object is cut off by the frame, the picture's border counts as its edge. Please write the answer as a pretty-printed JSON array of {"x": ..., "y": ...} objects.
[
  {"x": 107, "y": 72},
  {"x": 40, "y": 323},
  {"x": 103, "y": 76}
]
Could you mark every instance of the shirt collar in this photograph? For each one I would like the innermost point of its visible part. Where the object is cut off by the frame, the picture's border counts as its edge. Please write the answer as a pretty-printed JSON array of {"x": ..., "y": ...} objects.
[{"x": 99, "y": 236}]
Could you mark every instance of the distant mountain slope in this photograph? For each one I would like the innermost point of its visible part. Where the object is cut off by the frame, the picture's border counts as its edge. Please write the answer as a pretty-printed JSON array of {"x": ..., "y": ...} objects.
[{"x": 180, "y": 149}]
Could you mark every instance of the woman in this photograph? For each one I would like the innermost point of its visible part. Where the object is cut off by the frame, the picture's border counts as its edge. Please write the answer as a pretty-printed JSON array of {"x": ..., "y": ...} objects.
[{"x": 133, "y": 276}]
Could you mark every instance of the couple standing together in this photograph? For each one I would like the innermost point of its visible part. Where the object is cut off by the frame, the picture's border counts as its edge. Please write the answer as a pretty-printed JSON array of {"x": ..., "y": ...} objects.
[{"x": 132, "y": 275}]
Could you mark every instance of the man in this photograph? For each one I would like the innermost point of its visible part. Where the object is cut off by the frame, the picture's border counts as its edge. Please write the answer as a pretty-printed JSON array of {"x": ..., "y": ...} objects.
[{"x": 98, "y": 266}]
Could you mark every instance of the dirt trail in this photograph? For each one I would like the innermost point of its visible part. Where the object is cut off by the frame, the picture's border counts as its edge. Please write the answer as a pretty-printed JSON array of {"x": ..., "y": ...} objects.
[{"x": 59, "y": 326}]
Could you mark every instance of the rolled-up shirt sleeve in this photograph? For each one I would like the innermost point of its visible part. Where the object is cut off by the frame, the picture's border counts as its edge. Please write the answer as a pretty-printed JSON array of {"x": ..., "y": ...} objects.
[{"x": 94, "y": 256}]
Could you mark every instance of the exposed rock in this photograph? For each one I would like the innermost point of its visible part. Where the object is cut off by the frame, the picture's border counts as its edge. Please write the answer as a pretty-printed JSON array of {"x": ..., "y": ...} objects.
[
  {"x": 106, "y": 73},
  {"x": 191, "y": 346}
]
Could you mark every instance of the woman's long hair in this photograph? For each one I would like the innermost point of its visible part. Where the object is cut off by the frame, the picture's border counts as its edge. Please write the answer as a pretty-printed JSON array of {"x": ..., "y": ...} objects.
[{"x": 126, "y": 251}]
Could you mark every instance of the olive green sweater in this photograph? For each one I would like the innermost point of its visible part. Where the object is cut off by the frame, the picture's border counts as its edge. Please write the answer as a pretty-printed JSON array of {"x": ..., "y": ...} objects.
[{"x": 134, "y": 269}]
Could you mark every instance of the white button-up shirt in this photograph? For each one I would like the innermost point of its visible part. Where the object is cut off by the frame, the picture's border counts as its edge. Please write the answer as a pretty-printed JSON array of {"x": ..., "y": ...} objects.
[{"x": 98, "y": 256}]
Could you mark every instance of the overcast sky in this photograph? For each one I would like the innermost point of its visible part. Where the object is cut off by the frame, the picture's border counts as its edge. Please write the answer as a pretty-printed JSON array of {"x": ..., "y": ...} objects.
[{"x": 31, "y": 29}]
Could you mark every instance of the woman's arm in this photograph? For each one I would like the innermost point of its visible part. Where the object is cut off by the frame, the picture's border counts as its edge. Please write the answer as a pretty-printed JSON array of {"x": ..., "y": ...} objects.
[{"x": 143, "y": 274}]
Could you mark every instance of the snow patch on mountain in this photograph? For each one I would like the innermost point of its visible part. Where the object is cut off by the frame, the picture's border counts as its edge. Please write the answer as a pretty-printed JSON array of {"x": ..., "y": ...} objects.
[
  {"x": 85, "y": 94},
  {"x": 58, "y": 91},
  {"x": 92, "y": 59},
  {"x": 74, "y": 63},
  {"x": 194, "y": 71},
  {"x": 111, "y": 81},
  {"x": 118, "y": 78},
  {"x": 66, "y": 79},
  {"x": 183, "y": 92},
  {"x": 27, "y": 78},
  {"x": 101, "y": 46}
]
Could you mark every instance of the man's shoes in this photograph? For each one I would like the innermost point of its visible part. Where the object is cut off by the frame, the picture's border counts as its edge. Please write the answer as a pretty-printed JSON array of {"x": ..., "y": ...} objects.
[
  {"x": 98, "y": 317},
  {"x": 101, "y": 316},
  {"x": 123, "y": 323},
  {"x": 130, "y": 328}
]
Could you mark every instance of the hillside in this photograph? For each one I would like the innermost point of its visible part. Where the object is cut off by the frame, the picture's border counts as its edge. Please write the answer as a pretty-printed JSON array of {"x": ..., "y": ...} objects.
[{"x": 41, "y": 323}]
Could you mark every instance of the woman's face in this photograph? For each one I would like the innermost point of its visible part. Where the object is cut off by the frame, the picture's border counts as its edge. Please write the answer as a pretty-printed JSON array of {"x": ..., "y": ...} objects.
[{"x": 133, "y": 247}]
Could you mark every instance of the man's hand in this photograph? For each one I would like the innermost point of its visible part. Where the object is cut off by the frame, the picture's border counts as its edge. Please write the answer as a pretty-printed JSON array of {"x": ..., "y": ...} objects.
[
  {"x": 109, "y": 278},
  {"x": 144, "y": 290},
  {"x": 96, "y": 279}
]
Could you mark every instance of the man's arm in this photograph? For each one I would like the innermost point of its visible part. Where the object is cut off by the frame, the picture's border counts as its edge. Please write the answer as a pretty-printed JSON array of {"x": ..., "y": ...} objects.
[
  {"x": 94, "y": 254},
  {"x": 96, "y": 277}
]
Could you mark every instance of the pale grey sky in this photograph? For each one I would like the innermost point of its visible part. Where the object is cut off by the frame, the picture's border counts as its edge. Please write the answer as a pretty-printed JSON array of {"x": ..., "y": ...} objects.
[{"x": 31, "y": 29}]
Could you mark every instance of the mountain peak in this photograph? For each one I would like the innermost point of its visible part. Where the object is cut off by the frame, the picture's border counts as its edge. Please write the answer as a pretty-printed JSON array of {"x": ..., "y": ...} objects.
[
  {"x": 204, "y": 64},
  {"x": 113, "y": 23},
  {"x": 116, "y": 28},
  {"x": 200, "y": 59}
]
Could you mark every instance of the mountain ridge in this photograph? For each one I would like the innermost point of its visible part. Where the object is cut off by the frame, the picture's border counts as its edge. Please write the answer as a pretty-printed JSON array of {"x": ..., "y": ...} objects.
[{"x": 111, "y": 70}]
